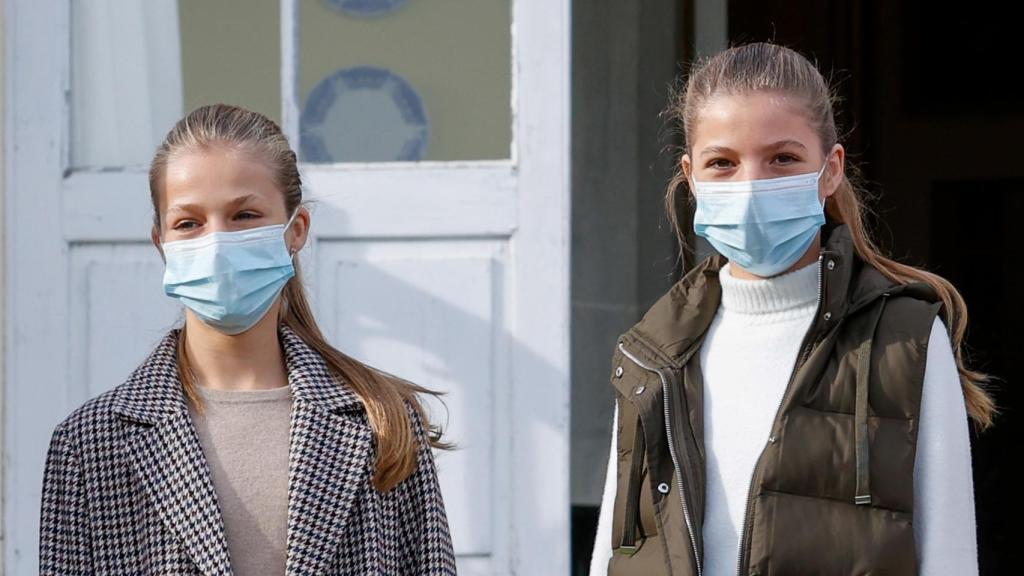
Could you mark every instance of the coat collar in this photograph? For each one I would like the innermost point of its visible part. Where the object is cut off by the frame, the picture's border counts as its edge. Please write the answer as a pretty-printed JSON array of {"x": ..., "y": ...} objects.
[
  {"x": 676, "y": 323},
  {"x": 330, "y": 462},
  {"x": 153, "y": 391}
]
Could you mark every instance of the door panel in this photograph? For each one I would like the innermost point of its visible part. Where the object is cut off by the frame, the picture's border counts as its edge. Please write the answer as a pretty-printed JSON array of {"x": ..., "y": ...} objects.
[{"x": 452, "y": 274}]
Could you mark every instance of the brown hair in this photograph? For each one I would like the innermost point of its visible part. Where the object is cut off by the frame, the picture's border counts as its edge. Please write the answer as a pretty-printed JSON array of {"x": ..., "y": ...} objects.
[
  {"x": 383, "y": 395},
  {"x": 771, "y": 67}
]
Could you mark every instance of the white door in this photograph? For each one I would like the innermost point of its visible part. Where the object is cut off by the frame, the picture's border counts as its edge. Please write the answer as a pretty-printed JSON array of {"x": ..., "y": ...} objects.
[{"x": 434, "y": 137}]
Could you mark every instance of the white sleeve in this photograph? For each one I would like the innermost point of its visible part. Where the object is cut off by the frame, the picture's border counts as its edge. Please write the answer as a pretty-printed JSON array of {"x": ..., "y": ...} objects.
[
  {"x": 944, "y": 515},
  {"x": 602, "y": 541}
]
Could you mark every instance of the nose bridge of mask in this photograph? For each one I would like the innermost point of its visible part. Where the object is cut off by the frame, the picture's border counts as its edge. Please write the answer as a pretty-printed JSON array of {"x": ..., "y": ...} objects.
[
  {"x": 738, "y": 201},
  {"x": 703, "y": 187},
  {"x": 219, "y": 253}
]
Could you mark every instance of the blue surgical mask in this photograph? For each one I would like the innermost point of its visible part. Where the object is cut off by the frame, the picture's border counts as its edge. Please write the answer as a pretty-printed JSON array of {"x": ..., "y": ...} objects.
[
  {"x": 229, "y": 279},
  {"x": 764, "y": 226}
]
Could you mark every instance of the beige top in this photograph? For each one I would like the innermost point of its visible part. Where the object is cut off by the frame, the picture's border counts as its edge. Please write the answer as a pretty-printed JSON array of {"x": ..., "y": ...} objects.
[{"x": 245, "y": 436}]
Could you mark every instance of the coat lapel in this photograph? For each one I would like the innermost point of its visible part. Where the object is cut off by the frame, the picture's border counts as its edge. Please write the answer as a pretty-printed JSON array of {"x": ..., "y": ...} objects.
[
  {"x": 330, "y": 460},
  {"x": 168, "y": 460}
]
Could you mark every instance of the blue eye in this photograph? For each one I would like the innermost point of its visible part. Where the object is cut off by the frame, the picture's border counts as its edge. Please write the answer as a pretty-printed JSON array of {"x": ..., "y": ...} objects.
[{"x": 185, "y": 225}]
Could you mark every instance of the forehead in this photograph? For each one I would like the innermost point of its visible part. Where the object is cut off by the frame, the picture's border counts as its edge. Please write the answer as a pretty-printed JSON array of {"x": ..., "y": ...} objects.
[
  {"x": 217, "y": 173},
  {"x": 753, "y": 120}
]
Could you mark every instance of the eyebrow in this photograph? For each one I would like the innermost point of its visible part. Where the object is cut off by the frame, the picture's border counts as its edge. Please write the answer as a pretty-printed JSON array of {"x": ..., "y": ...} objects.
[
  {"x": 233, "y": 203},
  {"x": 773, "y": 146}
]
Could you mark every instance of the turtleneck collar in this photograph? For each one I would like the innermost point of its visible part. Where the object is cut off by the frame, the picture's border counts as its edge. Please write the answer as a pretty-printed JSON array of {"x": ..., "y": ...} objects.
[{"x": 792, "y": 293}]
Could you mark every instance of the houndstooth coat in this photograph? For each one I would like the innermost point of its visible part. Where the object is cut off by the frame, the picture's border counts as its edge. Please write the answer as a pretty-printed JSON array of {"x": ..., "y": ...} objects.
[{"x": 126, "y": 488}]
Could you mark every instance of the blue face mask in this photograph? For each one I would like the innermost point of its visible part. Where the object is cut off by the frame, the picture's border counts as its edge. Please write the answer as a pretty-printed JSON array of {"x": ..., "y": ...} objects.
[
  {"x": 229, "y": 279},
  {"x": 764, "y": 226}
]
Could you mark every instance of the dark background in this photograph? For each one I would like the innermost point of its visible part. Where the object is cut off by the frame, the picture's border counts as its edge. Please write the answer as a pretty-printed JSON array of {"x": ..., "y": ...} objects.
[{"x": 932, "y": 117}]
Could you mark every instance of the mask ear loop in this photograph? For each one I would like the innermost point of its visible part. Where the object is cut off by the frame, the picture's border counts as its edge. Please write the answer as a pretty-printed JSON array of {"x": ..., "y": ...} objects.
[
  {"x": 818, "y": 179},
  {"x": 291, "y": 251}
]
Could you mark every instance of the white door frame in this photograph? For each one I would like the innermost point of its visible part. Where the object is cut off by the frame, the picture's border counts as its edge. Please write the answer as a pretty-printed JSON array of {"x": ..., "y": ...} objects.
[{"x": 47, "y": 209}]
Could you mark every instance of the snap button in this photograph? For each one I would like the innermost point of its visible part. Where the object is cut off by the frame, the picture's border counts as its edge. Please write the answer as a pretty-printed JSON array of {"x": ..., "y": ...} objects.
[
  {"x": 618, "y": 372},
  {"x": 771, "y": 439},
  {"x": 831, "y": 264},
  {"x": 663, "y": 488},
  {"x": 828, "y": 316},
  {"x": 640, "y": 390}
]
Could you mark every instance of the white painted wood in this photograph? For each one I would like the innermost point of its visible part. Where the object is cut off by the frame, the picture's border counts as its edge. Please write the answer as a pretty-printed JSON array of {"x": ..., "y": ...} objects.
[
  {"x": 103, "y": 307},
  {"x": 290, "y": 71},
  {"x": 371, "y": 200},
  {"x": 451, "y": 274},
  {"x": 37, "y": 377},
  {"x": 434, "y": 312},
  {"x": 540, "y": 280}
]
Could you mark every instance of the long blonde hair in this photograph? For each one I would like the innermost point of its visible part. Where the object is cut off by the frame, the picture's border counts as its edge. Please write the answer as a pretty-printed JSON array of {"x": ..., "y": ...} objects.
[
  {"x": 774, "y": 68},
  {"x": 382, "y": 395}
]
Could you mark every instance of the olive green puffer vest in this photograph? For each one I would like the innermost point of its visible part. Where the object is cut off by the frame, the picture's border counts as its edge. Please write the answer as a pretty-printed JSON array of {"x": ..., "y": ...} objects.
[{"x": 832, "y": 492}]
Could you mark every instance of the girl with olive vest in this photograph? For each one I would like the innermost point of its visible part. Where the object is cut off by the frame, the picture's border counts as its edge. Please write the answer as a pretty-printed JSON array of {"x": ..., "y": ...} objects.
[{"x": 797, "y": 403}]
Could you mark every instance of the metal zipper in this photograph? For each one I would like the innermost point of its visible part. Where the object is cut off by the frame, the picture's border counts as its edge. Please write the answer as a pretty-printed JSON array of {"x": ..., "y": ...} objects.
[
  {"x": 671, "y": 449},
  {"x": 804, "y": 350}
]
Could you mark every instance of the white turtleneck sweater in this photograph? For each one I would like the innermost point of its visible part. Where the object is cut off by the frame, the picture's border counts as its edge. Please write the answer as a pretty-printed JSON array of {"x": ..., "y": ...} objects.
[{"x": 763, "y": 321}]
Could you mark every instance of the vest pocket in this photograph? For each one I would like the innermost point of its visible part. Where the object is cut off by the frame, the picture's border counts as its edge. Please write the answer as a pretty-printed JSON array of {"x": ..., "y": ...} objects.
[
  {"x": 806, "y": 519},
  {"x": 804, "y": 535},
  {"x": 817, "y": 457}
]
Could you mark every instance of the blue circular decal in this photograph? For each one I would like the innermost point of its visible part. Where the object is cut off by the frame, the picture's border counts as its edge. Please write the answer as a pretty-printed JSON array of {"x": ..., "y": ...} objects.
[
  {"x": 367, "y": 8},
  {"x": 363, "y": 114}
]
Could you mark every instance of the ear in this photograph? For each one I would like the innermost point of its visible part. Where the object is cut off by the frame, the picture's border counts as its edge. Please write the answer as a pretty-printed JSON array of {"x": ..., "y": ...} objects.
[
  {"x": 687, "y": 167},
  {"x": 154, "y": 235},
  {"x": 298, "y": 231},
  {"x": 836, "y": 160}
]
